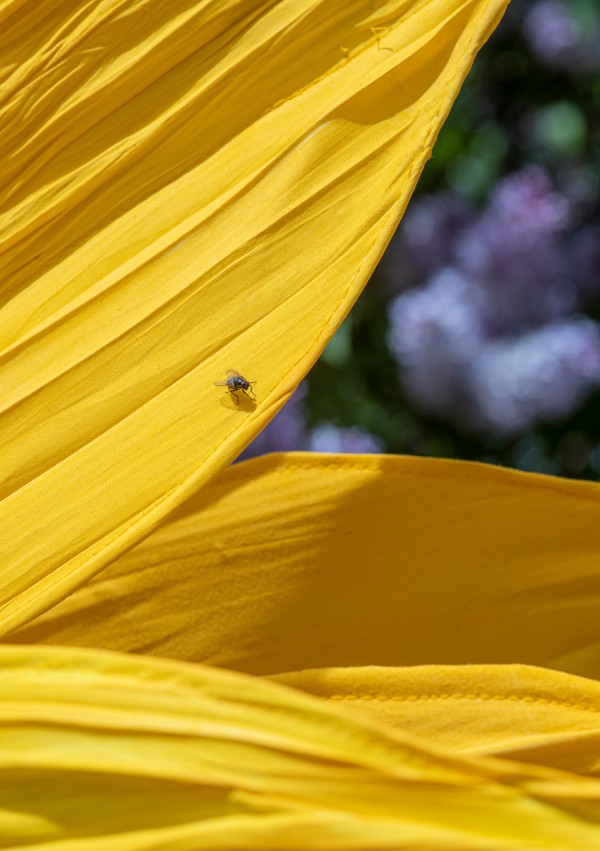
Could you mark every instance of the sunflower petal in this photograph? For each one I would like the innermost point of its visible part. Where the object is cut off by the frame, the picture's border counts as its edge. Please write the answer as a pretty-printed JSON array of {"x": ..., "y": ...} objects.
[
  {"x": 519, "y": 712},
  {"x": 188, "y": 187},
  {"x": 301, "y": 561},
  {"x": 99, "y": 750}
]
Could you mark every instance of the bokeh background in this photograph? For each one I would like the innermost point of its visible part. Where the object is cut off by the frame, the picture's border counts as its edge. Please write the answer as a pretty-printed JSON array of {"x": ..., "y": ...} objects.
[{"x": 478, "y": 336}]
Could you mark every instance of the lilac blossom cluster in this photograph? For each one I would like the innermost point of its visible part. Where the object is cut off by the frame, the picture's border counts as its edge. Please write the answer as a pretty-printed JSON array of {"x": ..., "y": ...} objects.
[
  {"x": 351, "y": 440},
  {"x": 287, "y": 432},
  {"x": 494, "y": 340},
  {"x": 558, "y": 36}
]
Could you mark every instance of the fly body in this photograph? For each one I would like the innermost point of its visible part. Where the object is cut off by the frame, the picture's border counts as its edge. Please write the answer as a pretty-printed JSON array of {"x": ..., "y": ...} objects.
[{"x": 236, "y": 383}]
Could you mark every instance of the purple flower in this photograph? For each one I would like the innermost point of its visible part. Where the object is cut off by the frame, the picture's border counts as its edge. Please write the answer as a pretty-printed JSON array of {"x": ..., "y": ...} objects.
[
  {"x": 425, "y": 242},
  {"x": 435, "y": 334},
  {"x": 285, "y": 433},
  {"x": 513, "y": 256},
  {"x": 491, "y": 342},
  {"x": 551, "y": 29},
  {"x": 431, "y": 227},
  {"x": 354, "y": 440},
  {"x": 526, "y": 204},
  {"x": 558, "y": 38},
  {"x": 542, "y": 375}
]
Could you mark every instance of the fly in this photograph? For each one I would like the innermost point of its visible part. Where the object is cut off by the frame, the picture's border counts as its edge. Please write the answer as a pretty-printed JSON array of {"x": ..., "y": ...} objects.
[{"x": 236, "y": 383}]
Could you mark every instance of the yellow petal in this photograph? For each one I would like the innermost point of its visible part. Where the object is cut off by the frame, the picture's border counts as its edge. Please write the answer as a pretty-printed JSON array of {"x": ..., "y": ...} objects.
[
  {"x": 304, "y": 561},
  {"x": 189, "y": 187},
  {"x": 528, "y": 714},
  {"x": 259, "y": 574},
  {"x": 99, "y": 750}
]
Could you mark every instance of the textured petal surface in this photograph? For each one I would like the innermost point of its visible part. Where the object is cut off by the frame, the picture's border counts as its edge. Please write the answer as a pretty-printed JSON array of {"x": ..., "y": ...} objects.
[
  {"x": 187, "y": 187},
  {"x": 353, "y": 567},
  {"x": 99, "y": 750},
  {"x": 527, "y": 714},
  {"x": 303, "y": 561}
]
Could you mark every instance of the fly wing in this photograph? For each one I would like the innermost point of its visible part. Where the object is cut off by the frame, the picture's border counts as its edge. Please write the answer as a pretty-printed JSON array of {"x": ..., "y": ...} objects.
[
  {"x": 222, "y": 382},
  {"x": 233, "y": 373}
]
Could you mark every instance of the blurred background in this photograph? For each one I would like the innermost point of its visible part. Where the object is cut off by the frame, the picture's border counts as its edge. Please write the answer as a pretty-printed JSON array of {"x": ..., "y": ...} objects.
[{"x": 478, "y": 336}]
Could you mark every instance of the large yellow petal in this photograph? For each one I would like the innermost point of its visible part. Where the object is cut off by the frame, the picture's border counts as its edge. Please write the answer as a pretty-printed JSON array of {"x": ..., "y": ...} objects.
[
  {"x": 103, "y": 751},
  {"x": 303, "y": 561},
  {"x": 188, "y": 187}
]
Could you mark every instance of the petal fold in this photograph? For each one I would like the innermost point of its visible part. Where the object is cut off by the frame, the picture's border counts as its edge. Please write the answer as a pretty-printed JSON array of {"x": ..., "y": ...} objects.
[
  {"x": 522, "y": 713},
  {"x": 100, "y": 750}
]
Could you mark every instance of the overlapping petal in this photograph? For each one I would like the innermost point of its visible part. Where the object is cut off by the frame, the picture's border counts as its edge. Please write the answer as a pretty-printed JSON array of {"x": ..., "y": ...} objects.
[
  {"x": 100, "y": 750},
  {"x": 416, "y": 592},
  {"x": 201, "y": 185},
  {"x": 187, "y": 187},
  {"x": 300, "y": 561},
  {"x": 528, "y": 714}
]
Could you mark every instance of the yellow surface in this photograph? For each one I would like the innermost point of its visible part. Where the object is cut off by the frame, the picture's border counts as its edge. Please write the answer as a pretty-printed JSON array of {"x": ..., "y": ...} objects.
[
  {"x": 302, "y": 561},
  {"x": 187, "y": 187},
  {"x": 194, "y": 186},
  {"x": 104, "y": 751},
  {"x": 522, "y": 713},
  {"x": 414, "y": 592}
]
